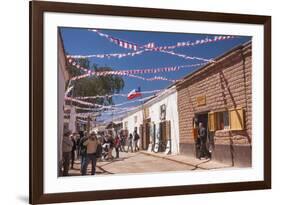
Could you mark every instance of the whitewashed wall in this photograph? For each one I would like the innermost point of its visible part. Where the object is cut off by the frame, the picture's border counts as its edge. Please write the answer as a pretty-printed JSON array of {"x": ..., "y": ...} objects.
[
  {"x": 60, "y": 110},
  {"x": 131, "y": 121},
  {"x": 171, "y": 114},
  {"x": 170, "y": 100},
  {"x": 62, "y": 78},
  {"x": 72, "y": 120}
]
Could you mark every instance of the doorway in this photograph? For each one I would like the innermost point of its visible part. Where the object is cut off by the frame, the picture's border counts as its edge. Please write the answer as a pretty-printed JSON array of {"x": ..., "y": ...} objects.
[
  {"x": 165, "y": 132},
  {"x": 147, "y": 128},
  {"x": 141, "y": 136},
  {"x": 200, "y": 118}
]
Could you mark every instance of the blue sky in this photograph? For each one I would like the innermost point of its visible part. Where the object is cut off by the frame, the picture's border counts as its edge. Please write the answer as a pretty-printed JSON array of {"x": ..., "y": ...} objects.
[{"x": 80, "y": 41}]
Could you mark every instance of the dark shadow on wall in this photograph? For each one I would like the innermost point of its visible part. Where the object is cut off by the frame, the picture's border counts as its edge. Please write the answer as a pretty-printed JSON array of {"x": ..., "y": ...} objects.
[{"x": 223, "y": 81}]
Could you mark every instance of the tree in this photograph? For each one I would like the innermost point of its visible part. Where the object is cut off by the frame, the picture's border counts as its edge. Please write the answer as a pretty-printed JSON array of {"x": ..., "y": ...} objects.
[{"x": 95, "y": 85}]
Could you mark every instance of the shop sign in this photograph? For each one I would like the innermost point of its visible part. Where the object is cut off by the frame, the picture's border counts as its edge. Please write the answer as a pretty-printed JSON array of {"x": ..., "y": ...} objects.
[{"x": 201, "y": 100}]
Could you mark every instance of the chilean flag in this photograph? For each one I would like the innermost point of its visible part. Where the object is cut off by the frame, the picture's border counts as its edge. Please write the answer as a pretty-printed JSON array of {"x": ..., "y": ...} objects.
[{"x": 134, "y": 93}]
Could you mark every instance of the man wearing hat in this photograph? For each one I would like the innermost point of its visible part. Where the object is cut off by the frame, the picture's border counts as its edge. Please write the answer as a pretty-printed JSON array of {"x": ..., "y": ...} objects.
[
  {"x": 66, "y": 149},
  {"x": 91, "y": 144}
]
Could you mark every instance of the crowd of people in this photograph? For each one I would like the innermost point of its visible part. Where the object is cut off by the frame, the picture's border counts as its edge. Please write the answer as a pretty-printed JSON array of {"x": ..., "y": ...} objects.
[{"x": 88, "y": 148}]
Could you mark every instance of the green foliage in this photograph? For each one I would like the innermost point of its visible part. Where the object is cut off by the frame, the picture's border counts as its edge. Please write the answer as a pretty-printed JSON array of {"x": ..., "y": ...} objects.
[{"x": 95, "y": 85}]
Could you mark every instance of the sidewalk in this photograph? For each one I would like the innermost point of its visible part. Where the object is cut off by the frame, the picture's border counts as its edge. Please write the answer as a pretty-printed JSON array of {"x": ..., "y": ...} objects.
[{"x": 204, "y": 164}]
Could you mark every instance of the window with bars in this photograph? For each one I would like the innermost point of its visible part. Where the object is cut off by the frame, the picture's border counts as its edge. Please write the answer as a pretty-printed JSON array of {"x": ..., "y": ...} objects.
[{"x": 163, "y": 112}]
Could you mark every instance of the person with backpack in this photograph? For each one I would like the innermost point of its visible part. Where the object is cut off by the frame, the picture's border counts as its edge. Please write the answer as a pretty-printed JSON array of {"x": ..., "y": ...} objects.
[
  {"x": 92, "y": 144},
  {"x": 136, "y": 140}
]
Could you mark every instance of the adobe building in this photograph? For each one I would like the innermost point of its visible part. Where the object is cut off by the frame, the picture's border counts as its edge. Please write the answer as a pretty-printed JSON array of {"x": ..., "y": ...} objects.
[{"x": 220, "y": 96}]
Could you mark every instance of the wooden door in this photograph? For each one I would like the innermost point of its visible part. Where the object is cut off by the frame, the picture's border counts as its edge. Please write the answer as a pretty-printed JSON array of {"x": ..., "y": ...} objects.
[{"x": 141, "y": 136}]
